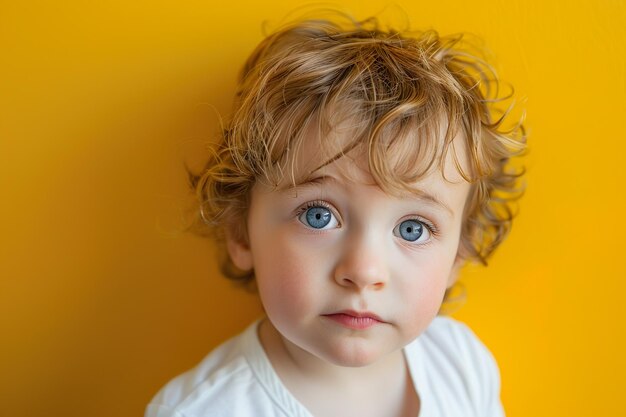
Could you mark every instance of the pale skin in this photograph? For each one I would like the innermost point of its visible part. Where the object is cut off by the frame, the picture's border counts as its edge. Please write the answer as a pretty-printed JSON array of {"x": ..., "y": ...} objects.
[{"x": 336, "y": 247}]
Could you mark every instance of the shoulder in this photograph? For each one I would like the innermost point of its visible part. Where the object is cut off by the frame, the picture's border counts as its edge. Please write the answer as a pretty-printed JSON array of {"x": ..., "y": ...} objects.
[
  {"x": 454, "y": 338},
  {"x": 462, "y": 365},
  {"x": 212, "y": 386}
]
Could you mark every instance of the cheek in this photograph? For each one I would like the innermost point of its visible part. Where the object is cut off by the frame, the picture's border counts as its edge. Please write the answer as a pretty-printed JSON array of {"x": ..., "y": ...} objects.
[
  {"x": 288, "y": 277},
  {"x": 430, "y": 298},
  {"x": 422, "y": 293}
]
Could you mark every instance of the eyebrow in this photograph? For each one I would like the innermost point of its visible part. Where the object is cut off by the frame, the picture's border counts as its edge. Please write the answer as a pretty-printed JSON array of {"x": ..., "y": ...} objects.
[
  {"x": 306, "y": 184},
  {"x": 420, "y": 195},
  {"x": 432, "y": 200}
]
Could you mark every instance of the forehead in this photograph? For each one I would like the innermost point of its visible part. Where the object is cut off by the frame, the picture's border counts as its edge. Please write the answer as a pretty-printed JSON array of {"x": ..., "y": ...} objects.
[{"x": 397, "y": 164}]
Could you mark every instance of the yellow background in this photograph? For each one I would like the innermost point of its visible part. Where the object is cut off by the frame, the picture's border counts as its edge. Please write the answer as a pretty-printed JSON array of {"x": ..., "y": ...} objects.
[{"x": 102, "y": 302}]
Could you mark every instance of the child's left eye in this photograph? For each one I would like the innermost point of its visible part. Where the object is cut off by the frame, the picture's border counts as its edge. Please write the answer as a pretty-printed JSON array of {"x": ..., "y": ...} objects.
[
  {"x": 318, "y": 217},
  {"x": 413, "y": 231}
]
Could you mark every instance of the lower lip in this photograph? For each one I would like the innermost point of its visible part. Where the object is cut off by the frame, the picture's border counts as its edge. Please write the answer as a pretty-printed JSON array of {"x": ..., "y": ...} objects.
[{"x": 352, "y": 322}]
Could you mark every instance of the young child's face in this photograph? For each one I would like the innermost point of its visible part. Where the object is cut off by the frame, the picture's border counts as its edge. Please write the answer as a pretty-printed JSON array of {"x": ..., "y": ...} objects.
[{"x": 346, "y": 272}]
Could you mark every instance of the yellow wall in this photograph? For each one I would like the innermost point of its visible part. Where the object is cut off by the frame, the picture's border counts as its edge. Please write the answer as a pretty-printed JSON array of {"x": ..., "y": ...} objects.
[{"x": 101, "y": 303}]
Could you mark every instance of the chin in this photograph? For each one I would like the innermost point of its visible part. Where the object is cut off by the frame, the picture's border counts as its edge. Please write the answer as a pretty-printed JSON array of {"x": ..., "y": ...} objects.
[{"x": 353, "y": 356}]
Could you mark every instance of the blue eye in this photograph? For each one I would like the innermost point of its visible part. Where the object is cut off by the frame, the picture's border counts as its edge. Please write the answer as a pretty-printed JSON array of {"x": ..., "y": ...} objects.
[
  {"x": 318, "y": 217},
  {"x": 412, "y": 230}
]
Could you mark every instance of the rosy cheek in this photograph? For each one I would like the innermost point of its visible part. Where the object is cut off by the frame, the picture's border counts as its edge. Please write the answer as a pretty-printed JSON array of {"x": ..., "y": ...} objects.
[
  {"x": 286, "y": 280},
  {"x": 425, "y": 292}
]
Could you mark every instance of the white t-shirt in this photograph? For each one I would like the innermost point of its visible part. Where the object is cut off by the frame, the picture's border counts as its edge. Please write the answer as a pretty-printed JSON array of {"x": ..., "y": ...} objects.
[{"x": 452, "y": 371}]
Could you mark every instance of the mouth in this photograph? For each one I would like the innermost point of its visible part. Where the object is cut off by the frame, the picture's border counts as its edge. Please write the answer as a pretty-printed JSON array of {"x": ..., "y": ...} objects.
[{"x": 355, "y": 320}]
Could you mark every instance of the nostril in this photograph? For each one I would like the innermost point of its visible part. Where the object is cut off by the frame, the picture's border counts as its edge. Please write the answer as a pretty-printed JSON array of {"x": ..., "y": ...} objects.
[
  {"x": 347, "y": 281},
  {"x": 362, "y": 268},
  {"x": 362, "y": 283}
]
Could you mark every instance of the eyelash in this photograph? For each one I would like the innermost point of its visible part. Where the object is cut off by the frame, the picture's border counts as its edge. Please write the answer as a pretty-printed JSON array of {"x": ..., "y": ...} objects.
[
  {"x": 316, "y": 203},
  {"x": 429, "y": 225},
  {"x": 432, "y": 228}
]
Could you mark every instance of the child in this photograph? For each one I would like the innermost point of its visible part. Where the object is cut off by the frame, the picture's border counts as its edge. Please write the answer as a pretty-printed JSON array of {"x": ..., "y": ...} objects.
[{"x": 360, "y": 170}]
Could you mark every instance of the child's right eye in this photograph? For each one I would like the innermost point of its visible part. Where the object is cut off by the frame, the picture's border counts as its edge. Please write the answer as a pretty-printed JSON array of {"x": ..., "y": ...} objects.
[{"x": 318, "y": 217}]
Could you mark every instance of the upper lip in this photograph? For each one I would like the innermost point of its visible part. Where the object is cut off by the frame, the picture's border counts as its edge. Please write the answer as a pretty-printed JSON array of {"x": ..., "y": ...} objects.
[{"x": 354, "y": 313}]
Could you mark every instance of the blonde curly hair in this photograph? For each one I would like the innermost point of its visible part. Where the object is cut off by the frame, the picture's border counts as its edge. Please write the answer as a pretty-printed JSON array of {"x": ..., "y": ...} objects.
[{"x": 400, "y": 92}]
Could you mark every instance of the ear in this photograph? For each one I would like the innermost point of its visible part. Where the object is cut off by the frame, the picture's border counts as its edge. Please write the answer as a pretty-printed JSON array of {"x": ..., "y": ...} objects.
[
  {"x": 239, "y": 251},
  {"x": 454, "y": 271}
]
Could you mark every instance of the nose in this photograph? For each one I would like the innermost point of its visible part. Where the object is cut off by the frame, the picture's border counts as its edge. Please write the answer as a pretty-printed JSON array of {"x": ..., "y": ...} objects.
[{"x": 362, "y": 264}]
